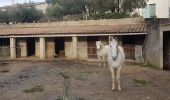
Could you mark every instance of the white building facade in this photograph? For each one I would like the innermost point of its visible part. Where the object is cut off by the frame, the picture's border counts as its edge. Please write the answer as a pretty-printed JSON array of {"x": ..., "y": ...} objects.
[{"x": 158, "y": 8}]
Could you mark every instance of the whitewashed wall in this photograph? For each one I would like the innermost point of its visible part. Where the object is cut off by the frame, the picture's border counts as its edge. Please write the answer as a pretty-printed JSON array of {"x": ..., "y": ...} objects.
[{"x": 162, "y": 9}]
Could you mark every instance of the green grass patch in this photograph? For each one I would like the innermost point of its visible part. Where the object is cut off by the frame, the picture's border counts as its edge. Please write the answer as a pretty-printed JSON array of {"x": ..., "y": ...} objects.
[
  {"x": 34, "y": 89},
  {"x": 79, "y": 76},
  {"x": 142, "y": 82},
  {"x": 147, "y": 66}
]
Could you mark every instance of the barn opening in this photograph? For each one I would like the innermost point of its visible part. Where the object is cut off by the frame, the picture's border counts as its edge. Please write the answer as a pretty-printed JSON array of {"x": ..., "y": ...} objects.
[
  {"x": 166, "y": 50},
  {"x": 31, "y": 46},
  {"x": 4, "y": 47},
  {"x": 59, "y": 47},
  {"x": 91, "y": 42},
  {"x": 129, "y": 42}
]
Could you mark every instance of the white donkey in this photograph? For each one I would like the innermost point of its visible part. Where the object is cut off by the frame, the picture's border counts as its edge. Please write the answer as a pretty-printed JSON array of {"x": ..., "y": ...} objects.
[
  {"x": 101, "y": 52},
  {"x": 116, "y": 59}
]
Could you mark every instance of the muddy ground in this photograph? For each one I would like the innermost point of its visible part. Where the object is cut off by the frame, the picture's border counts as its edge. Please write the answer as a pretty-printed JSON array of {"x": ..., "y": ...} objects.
[{"x": 23, "y": 80}]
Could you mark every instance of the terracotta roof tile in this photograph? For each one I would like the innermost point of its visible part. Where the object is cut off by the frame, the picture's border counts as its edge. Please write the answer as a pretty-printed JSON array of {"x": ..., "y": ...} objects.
[{"x": 131, "y": 28}]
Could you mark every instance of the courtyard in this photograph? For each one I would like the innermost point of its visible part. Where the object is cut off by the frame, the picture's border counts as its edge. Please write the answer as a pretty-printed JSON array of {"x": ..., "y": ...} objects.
[{"x": 41, "y": 80}]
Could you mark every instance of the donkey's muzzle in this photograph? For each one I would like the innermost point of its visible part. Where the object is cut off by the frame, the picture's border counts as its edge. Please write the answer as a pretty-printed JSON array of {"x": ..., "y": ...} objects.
[{"x": 114, "y": 58}]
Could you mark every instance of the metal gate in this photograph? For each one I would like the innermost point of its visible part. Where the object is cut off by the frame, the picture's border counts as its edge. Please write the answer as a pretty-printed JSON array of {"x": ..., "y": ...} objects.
[{"x": 4, "y": 52}]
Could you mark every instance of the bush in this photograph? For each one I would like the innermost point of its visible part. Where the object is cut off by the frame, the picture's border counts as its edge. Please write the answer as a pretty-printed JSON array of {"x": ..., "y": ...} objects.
[{"x": 114, "y": 15}]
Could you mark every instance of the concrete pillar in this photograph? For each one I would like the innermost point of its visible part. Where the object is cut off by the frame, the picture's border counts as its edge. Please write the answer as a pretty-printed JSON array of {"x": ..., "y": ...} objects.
[
  {"x": 82, "y": 51},
  {"x": 74, "y": 44},
  {"x": 161, "y": 49},
  {"x": 138, "y": 54},
  {"x": 37, "y": 47},
  {"x": 50, "y": 47},
  {"x": 68, "y": 47},
  {"x": 13, "y": 48},
  {"x": 42, "y": 48}
]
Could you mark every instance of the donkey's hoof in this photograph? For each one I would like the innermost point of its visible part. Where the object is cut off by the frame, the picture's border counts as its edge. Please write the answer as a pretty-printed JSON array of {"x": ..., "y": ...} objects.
[
  {"x": 113, "y": 88},
  {"x": 119, "y": 89}
]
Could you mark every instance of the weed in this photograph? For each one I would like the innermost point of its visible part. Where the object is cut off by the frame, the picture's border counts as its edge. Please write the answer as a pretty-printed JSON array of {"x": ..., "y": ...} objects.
[
  {"x": 142, "y": 82},
  {"x": 79, "y": 76},
  {"x": 37, "y": 88}
]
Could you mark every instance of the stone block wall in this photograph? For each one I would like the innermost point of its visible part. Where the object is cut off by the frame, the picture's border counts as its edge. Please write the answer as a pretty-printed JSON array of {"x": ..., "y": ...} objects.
[
  {"x": 50, "y": 47},
  {"x": 82, "y": 48},
  {"x": 152, "y": 46},
  {"x": 68, "y": 47}
]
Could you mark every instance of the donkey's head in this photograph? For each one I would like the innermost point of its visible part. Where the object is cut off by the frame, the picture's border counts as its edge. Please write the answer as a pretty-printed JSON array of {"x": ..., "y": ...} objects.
[
  {"x": 113, "y": 46},
  {"x": 98, "y": 45}
]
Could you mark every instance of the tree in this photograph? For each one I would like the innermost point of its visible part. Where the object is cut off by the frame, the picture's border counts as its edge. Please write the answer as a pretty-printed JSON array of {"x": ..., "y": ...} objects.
[
  {"x": 48, "y": 1},
  {"x": 66, "y": 7},
  {"x": 21, "y": 14},
  {"x": 129, "y": 5},
  {"x": 55, "y": 11},
  {"x": 70, "y": 7},
  {"x": 4, "y": 18}
]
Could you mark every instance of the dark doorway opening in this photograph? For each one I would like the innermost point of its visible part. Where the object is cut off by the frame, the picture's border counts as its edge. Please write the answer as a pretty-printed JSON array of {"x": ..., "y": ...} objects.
[
  {"x": 59, "y": 46},
  {"x": 31, "y": 46},
  {"x": 129, "y": 42},
  {"x": 4, "y": 48},
  {"x": 4, "y": 41},
  {"x": 91, "y": 42},
  {"x": 166, "y": 50}
]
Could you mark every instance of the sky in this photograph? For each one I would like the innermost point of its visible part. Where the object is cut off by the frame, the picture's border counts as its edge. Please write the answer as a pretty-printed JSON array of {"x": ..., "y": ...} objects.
[{"x": 8, "y": 2}]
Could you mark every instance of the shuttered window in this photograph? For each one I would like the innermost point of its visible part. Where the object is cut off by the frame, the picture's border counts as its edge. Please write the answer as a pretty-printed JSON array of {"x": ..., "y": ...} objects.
[{"x": 152, "y": 10}]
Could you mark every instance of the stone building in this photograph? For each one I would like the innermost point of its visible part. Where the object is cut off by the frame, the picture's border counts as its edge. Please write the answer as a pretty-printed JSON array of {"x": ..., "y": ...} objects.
[
  {"x": 72, "y": 39},
  {"x": 157, "y": 44}
]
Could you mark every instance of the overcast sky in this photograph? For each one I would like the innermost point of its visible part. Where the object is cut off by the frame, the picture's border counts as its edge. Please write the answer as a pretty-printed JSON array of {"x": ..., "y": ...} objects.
[{"x": 8, "y": 2}]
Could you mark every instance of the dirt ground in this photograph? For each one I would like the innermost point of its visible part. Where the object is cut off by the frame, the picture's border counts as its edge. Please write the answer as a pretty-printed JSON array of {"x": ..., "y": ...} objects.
[{"x": 31, "y": 80}]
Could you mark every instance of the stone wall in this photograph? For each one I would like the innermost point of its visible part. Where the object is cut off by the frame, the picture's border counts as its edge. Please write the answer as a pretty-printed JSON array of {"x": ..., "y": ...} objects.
[
  {"x": 152, "y": 46},
  {"x": 50, "y": 47},
  {"x": 82, "y": 48},
  {"x": 37, "y": 47},
  {"x": 23, "y": 46},
  {"x": 68, "y": 47}
]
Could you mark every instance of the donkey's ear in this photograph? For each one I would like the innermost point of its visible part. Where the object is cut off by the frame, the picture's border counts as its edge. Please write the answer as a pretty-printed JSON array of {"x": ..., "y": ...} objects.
[
  {"x": 111, "y": 38},
  {"x": 116, "y": 38}
]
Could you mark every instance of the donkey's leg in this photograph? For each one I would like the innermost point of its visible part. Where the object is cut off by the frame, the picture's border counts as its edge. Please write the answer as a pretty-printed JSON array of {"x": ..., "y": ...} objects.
[
  {"x": 113, "y": 77},
  {"x": 104, "y": 60},
  {"x": 99, "y": 61},
  {"x": 118, "y": 78}
]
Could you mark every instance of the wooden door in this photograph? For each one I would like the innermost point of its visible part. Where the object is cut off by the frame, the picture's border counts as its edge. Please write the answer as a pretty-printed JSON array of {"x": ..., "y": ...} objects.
[
  {"x": 92, "y": 47},
  {"x": 129, "y": 51}
]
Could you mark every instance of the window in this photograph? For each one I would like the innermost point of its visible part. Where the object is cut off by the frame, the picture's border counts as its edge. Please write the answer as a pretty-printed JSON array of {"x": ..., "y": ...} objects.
[{"x": 152, "y": 10}]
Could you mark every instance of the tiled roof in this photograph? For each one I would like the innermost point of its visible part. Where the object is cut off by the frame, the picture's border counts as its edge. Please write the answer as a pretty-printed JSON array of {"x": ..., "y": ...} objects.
[{"x": 119, "y": 29}]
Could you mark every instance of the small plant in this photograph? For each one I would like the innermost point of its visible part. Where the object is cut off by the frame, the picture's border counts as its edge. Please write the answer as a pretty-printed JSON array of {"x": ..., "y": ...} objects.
[
  {"x": 37, "y": 88},
  {"x": 79, "y": 76},
  {"x": 142, "y": 82},
  {"x": 147, "y": 66}
]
